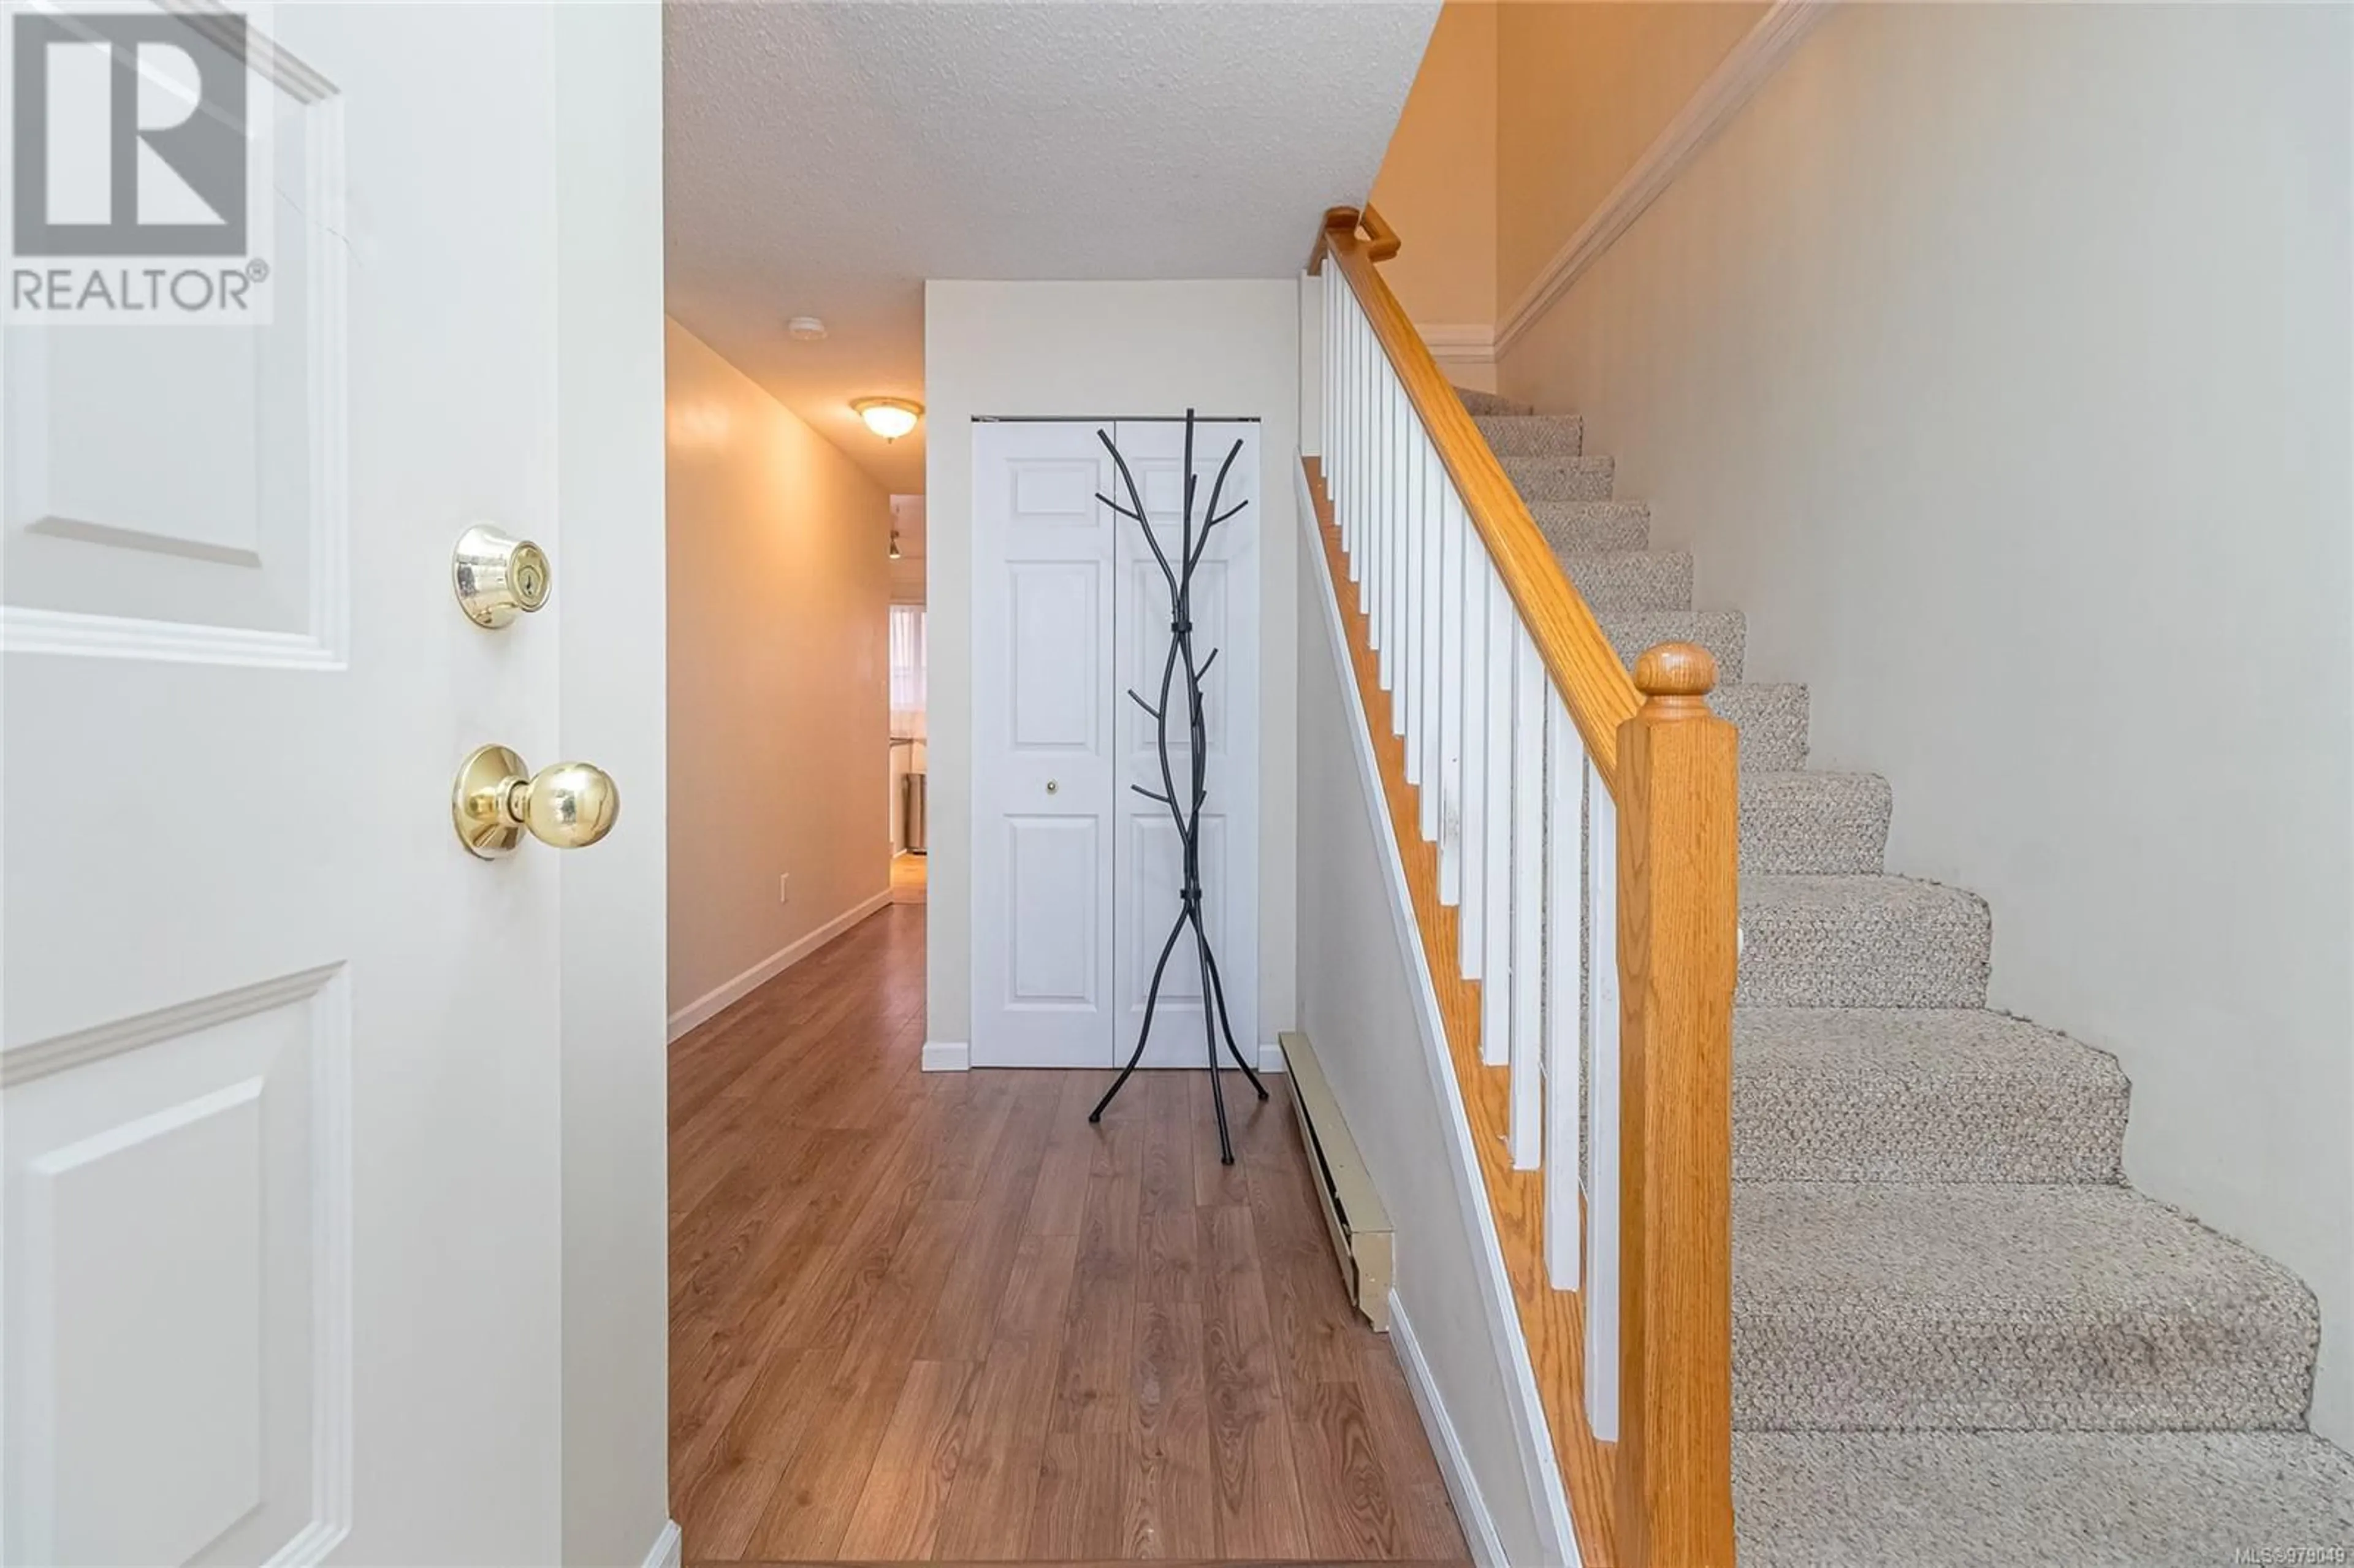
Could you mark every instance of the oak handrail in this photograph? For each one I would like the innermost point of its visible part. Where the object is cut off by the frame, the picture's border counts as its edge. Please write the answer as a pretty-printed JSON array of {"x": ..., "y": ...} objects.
[
  {"x": 1593, "y": 684},
  {"x": 1382, "y": 241}
]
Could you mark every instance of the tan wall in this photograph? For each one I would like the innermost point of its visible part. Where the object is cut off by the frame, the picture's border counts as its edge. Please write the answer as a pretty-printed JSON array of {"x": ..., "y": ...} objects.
[
  {"x": 1993, "y": 359},
  {"x": 1437, "y": 182},
  {"x": 778, "y": 675},
  {"x": 1581, "y": 90}
]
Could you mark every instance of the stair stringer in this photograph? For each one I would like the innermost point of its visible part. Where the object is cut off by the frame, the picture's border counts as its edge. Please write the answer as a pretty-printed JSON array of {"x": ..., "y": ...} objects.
[{"x": 1541, "y": 1470}]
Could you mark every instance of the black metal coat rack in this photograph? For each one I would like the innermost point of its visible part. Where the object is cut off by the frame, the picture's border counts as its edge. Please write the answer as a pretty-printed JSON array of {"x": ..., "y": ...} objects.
[{"x": 1184, "y": 812}]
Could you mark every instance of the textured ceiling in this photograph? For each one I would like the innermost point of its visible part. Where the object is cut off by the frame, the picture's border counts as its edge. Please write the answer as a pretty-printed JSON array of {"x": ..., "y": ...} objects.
[{"x": 825, "y": 158}]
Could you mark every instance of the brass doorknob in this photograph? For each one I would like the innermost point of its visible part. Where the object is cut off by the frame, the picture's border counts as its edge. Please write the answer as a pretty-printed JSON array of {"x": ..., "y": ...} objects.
[{"x": 569, "y": 805}]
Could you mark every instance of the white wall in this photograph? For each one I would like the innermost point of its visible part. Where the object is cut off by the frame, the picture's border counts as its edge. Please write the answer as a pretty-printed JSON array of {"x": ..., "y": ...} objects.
[
  {"x": 1357, "y": 1006},
  {"x": 1224, "y": 347},
  {"x": 1995, "y": 361},
  {"x": 607, "y": 608}
]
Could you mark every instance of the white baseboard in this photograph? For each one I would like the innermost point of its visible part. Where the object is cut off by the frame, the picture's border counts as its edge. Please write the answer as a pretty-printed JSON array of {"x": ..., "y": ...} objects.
[
  {"x": 711, "y": 1004},
  {"x": 1270, "y": 1057},
  {"x": 667, "y": 1547},
  {"x": 1454, "y": 1465}
]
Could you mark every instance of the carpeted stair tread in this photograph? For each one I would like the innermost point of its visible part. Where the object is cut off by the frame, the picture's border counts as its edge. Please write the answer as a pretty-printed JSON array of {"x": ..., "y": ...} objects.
[
  {"x": 1862, "y": 941},
  {"x": 1724, "y": 632},
  {"x": 1532, "y": 435},
  {"x": 1558, "y": 478},
  {"x": 1965, "y": 1499},
  {"x": 1919, "y": 1307},
  {"x": 1489, "y": 403},
  {"x": 1576, "y": 527},
  {"x": 1920, "y": 1094},
  {"x": 1631, "y": 579},
  {"x": 1803, "y": 822},
  {"x": 1772, "y": 719}
]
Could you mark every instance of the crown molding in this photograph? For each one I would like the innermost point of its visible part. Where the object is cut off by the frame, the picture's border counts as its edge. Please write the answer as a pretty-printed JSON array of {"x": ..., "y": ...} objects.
[{"x": 1460, "y": 344}]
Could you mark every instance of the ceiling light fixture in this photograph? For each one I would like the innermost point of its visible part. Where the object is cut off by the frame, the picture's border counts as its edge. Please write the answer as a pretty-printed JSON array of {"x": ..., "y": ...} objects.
[
  {"x": 895, "y": 544},
  {"x": 804, "y": 329},
  {"x": 889, "y": 418}
]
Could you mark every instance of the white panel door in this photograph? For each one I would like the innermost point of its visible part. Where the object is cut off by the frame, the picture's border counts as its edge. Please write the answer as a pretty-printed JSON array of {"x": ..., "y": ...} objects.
[
  {"x": 1043, "y": 741},
  {"x": 1226, "y": 619},
  {"x": 280, "y": 1062}
]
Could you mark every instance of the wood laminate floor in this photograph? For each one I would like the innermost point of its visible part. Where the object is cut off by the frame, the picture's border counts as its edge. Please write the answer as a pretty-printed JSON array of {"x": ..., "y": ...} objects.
[{"x": 941, "y": 1317}]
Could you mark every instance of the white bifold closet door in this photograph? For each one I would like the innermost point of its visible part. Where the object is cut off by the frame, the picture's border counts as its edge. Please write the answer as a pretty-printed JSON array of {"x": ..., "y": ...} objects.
[
  {"x": 1076, "y": 875},
  {"x": 1147, "y": 862}
]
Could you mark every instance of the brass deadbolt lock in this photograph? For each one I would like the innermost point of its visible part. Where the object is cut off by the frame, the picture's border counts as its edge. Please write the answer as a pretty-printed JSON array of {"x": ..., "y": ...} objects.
[{"x": 496, "y": 577}]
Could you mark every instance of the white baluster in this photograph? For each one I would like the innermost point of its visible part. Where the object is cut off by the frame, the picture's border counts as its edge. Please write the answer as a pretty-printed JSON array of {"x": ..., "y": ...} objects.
[
  {"x": 1376, "y": 498},
  {"x": 1350, "y": 431},
  {"x": 1325, "y": 294},
  {"x": 1401, "y": 559},
  {"x": 1602, "y": 1117},
  {"x": 1386, "y": 498},
  {"x": 1393, "y": 582},
  {"x": 1345, "y": 408},
  {"x": 1361, "y": 469},
  {"x": 1564, "y": 905},
  {"x": 1496, "y": 964},
  {"x": 1407, "y": 709},
  {"x": 1525, "y": 1128},
  {"x": 1452, "y": 527},
  {"x": 1427, "y": 652},
  {"x": 1392, "y": 460},
  {"x": 1332, "y": 388},
  {"x": 1476, "y": 698},
  {"x": 1368, "y": 435},
  {"x": 1357, "y": 429},
  {"x": 1421, "y": 585}
]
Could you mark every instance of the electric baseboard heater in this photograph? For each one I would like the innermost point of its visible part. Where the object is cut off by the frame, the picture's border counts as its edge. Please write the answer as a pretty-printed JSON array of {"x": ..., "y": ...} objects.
[{"x": 1353, "y": 1210}]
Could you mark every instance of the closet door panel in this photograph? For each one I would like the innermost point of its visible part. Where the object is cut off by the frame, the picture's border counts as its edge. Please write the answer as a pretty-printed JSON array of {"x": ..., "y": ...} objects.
[
  {"x": 1044, "y": 745},
  {"x": 1147, "y": 870}
]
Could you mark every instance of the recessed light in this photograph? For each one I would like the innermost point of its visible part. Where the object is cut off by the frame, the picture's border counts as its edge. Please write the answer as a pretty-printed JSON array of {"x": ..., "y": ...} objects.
[
  {"x": 889, "y": 418},
  {"x": 805, "y": 329}
]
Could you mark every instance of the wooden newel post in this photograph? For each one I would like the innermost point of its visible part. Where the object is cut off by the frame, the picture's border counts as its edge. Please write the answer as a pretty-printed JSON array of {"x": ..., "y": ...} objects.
[{"x": 1679, "y": 913}]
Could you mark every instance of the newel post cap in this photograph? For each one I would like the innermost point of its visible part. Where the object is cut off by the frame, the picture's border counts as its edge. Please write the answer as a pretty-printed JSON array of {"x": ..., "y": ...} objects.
[
  {"x": 1344, "y": 218},
  {"x": 1675, "y": 675}
]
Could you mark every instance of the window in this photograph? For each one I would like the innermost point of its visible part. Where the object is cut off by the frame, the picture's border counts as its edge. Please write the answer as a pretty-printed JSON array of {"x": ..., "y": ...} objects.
[{"x": 907, "y": 672}]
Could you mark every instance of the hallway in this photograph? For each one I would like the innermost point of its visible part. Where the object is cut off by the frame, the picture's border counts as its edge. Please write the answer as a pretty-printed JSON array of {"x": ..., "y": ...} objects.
[{"x": 942, "y": 1318}]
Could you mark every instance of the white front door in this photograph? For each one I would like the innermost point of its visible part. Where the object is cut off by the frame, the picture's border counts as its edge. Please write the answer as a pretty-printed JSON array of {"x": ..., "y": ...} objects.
[
  {"x": 282, "y": 1222},
  {"x": 1042, "y": 747},
  {"x": 1149, "y": 862}
]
